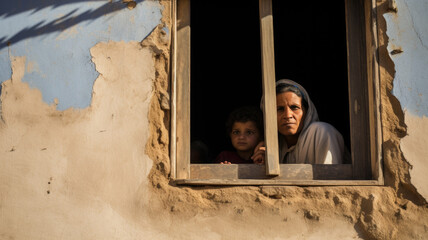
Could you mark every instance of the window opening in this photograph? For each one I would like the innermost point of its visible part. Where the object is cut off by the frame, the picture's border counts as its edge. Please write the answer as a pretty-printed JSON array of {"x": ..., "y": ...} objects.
[
  {"x": 314, "y": 45},
  {"x": 225, "y": 68},
  {"x": 310, "y": 48}
]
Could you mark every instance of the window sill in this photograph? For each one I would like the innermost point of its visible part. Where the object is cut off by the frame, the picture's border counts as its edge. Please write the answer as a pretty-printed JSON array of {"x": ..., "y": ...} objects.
[
  {"x": 287, "y": 171},
  {"x": 291, "y": 174},
  {"x": 258, "y": 182}
]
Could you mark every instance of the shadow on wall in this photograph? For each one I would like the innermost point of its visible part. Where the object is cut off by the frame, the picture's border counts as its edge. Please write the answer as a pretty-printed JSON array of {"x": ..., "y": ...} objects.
[{"x": 11, "y": 8}]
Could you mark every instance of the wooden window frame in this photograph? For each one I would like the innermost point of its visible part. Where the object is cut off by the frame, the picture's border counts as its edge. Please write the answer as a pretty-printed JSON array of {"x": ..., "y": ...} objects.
[{"x": 364, "y": 100}]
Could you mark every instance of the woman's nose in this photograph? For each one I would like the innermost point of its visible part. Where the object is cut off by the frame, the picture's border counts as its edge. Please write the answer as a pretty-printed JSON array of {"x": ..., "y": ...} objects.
[{"x": 288, "y": 113}]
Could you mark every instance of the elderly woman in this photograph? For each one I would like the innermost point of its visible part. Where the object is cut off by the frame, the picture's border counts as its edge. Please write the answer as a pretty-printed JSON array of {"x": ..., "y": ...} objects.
[{"x": 302, "y": 137}]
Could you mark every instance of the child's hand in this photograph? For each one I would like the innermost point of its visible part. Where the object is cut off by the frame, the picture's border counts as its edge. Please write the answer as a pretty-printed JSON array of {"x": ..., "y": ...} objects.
[
  {"x": 259, "y": 153},
  {"x": 225, "y": 162}
]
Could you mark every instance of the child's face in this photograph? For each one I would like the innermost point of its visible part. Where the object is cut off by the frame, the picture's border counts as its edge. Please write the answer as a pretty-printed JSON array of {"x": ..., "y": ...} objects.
[{"x": 244, "y": 136}]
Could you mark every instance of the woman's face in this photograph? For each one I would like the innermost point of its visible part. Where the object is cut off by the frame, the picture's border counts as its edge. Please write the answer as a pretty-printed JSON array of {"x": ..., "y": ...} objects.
[{"x": 290, "y": 113}]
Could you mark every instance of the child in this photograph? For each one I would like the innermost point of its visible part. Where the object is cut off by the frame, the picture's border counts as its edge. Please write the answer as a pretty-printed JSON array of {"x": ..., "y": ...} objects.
[{"x": 245, "y": 129}]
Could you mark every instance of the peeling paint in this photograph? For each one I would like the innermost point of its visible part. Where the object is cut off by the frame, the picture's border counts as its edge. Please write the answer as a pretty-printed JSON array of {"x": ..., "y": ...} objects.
[
  {"x": 396, "y": 51},
  {"x": 295, "y": 212},
  {"x": 407, "y": 29},
  {"x": 57, "y": 37},
  {"x": 409, "y": 36},
  {"x": 102, "y": 172},
  {"x": 94, "y": 164},
  {"x": 392, "y": 5},
  {"x": 131, "y": 5}
]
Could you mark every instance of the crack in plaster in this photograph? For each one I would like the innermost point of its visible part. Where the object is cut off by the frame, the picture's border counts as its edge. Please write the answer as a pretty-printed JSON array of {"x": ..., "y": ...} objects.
[{"x": 413, "y": 26}]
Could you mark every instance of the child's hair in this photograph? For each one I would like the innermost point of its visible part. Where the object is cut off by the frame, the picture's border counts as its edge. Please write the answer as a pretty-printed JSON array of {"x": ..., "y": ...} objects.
[{"x": 245, "y": 114}]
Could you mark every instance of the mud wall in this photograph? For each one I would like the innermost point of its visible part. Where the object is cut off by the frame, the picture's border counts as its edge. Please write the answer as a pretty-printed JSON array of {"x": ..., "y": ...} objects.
[
  {"x": 408, "y": 49},
  {"x": 79, "y": 166}
]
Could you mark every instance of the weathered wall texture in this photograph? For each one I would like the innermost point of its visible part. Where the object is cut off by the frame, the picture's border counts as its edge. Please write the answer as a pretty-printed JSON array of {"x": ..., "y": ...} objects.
[
  {"x": 55, "y": 37},
  {"x": 59, "y": 170},
  {"x": 408, "y": 47},
  {"x": 76, "y": 173},
  {"x": 102, "y": 171}
]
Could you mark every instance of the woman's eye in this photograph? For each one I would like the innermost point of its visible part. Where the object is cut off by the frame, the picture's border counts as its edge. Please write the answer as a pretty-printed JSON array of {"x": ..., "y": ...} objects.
[{"x": 294, "y": 107}]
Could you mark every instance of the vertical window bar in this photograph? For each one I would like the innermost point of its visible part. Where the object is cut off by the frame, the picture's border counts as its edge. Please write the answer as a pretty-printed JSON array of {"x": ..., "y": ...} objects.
[
  {"x": 268, "y": 69},
  {"x": 183, "y": 90},
  {"x": 173, "y": 143}
]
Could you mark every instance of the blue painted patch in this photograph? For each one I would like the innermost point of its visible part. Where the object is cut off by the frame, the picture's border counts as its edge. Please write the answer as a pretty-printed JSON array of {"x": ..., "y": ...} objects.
[
  {"x": 56, "y": 36},
  {"x": 166, "y": 30},
  {"x": 5, "y": 68},
  {"x": 407, "y": 29}
]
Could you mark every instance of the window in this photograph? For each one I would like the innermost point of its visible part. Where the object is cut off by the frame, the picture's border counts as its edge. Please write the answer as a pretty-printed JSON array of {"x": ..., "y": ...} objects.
[{"x": 363, "y": 94}]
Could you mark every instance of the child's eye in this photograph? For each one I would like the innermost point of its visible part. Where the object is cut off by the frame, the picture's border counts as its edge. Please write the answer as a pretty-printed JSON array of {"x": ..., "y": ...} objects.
[
  {"x": 236, "y": 132},
  {"x": 250, "y": 133}
]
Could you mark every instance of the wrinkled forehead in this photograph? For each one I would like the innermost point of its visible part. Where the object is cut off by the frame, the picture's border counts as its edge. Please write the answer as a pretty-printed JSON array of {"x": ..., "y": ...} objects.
[{"x": 285, "y": 87}]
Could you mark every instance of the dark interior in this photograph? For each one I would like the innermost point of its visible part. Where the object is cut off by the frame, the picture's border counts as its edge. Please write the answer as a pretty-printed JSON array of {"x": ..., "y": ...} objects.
[{"x": 310, "y": 48}]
